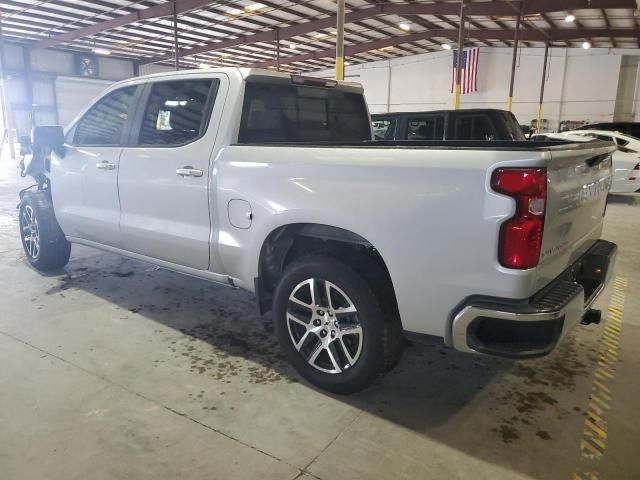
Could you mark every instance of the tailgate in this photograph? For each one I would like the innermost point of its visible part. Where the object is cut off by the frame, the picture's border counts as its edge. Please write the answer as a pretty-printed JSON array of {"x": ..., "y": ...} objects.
[{"x": 579, "y": 178}]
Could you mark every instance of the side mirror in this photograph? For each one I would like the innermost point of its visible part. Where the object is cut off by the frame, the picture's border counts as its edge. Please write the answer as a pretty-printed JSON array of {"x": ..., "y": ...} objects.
[
  {"x": 48, "y": 137},
  {"x": 25, "y": 145}
]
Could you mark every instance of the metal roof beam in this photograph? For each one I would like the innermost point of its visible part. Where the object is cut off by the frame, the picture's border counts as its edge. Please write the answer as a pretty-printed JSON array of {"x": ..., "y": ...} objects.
[
  {"x": 161, "y": 10},
  {"x": 481, "y": 34},
  {"x": 506, "y": 8}
]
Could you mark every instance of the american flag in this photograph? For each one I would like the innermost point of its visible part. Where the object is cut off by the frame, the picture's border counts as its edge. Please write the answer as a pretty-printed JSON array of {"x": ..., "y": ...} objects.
[{"x": 469, "y": 81}]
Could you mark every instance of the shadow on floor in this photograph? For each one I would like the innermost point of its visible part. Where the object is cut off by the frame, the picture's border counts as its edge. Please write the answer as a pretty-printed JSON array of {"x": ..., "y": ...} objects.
[
  {"x": 431, "y": 386},
  {"x": 624, "y": 199}
]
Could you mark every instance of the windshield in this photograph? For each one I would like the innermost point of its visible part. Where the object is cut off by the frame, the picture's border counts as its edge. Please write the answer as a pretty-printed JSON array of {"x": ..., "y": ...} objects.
[{"x": 512, "y": 126}]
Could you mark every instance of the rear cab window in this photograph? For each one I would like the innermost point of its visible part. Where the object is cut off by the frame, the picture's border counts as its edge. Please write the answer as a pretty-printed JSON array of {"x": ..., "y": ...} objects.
[{"x": 278, "y": 112}]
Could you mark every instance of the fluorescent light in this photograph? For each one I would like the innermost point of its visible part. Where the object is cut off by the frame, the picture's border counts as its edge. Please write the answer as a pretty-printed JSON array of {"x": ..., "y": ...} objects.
[
  {"x": 175, "y": 103},
  {"x": 347, "y": 63},
  {"x": 446, "y": 46},
  {"x": 384, "y": 49},
  {"x": 235, "y": 11},
  {"x": 319, "y": 35},
  {"x": 101, "y": 51},
  {"x": 293, "y": 46},
  {"x": 204, "y": 65},
  {"x": 255, "y": 6},
  {"x": 586, "y": 45},
  {"x": 405, "y": 26},
  {"x": 570, "y": 18}
]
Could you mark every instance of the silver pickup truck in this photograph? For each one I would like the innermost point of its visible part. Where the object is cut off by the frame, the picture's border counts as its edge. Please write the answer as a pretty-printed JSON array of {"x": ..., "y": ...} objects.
[{"x": 272, "y": 183}]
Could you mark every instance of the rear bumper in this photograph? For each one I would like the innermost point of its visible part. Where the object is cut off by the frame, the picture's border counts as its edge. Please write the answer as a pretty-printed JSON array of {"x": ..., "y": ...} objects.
[{"x": 533, "y": 327}]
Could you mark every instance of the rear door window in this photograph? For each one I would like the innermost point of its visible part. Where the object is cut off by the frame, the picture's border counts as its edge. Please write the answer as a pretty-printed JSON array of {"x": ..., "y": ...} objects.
[
  {"x": 286, "y": 113},
  {"x": 176, "y": 112},
  {"x": 426, "y": 128}
]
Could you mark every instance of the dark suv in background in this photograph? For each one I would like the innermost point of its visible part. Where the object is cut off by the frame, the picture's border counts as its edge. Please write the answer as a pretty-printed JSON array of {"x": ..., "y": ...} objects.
[{"x": 473, "y": 124}]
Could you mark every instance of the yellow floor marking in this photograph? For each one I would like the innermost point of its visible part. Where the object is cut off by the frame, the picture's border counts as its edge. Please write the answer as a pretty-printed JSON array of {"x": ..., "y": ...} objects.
[
  {"x": 588, "y": 449},
  {"x": 596, "y": 408},
  {"x": 593, "y": 444},
  {"x": 596, "y": 383},
  {"x": 586, "y": 476}
]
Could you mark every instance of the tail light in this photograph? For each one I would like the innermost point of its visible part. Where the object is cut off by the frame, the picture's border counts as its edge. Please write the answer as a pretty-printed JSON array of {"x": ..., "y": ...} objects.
[
  {"x": 521, "y": 236},
  {"x": 636, "y": 168}
]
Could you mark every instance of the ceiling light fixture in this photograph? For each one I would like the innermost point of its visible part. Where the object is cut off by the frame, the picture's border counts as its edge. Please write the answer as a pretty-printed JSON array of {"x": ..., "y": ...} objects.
[
  {"x": 405, "y": 26},
  {"x": 101, "y": 51},
  {"x": 204, "y": 65},
  {"x": 255, "y": 6},
  {"x": 570, "y": 18},
  {"x": 446, "y": 46},
  {"x": 235, "y": 11},
  {"x": 586, "y": 45}
]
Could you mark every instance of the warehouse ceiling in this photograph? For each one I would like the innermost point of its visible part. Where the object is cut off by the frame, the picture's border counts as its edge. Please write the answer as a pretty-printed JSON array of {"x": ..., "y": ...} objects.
[{"x": 245, "y": 33}]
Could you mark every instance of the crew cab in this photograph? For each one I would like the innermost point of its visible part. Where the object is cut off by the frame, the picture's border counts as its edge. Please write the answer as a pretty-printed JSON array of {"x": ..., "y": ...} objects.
[
  {"x": 272, "y": 183},
  {"x": 484, "y": 124}
]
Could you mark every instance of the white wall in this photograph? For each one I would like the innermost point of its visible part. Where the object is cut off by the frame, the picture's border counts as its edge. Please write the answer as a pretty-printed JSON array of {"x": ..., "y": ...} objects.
[
  {"x": 58, "y": 94},
  {"x": 153, "y": 68},
  {"x": 627, "y": 86},
  {"x": 580, "y": 85}
]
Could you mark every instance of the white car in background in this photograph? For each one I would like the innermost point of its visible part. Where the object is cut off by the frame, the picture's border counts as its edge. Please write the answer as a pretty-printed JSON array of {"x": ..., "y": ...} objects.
[
  {"x": 625, "y": 142},
  {"x": 625, "y": 161}
]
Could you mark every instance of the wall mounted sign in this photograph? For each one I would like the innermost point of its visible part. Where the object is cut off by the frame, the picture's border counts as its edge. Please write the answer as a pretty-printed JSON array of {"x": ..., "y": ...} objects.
[{"x": 86, "y": 65}]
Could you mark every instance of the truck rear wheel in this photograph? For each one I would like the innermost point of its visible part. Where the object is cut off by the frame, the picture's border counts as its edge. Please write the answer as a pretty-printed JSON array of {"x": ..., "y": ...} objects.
[
  {"x": 330, "y": 325},
  {"x": 44, "y": 243}
]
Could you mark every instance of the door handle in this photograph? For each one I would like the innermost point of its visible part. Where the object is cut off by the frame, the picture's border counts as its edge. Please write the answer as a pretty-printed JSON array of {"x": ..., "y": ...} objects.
[
  {"x": 189, "y": 172},
  {"x": 105, "y": 166}
]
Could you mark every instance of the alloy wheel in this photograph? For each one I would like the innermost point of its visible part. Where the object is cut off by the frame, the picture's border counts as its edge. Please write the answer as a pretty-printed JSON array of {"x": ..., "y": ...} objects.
[
  {"x": 324, "y": 326},
  {"x": 30, "y": 232}
]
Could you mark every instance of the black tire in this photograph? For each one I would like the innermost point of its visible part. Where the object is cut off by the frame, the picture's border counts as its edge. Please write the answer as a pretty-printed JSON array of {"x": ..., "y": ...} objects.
[
  {"x": 53, "y": 249},
  {"x": 376, "y": 352}
]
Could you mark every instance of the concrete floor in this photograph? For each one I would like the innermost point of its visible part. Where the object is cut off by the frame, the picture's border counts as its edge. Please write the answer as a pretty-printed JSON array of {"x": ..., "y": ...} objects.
[{"x": 113, "y": 369}]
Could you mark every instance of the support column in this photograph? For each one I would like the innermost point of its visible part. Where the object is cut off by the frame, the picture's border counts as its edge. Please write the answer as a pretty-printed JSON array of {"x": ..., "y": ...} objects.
[
  {"x": 6, "y": 106},
  {"x": 544, "y": 77},
  {"x": 458, "y": 90},
  {"x": 340, "y": 41},
  {"x": 176, "y": 55},
  {"x": 277, "y": 49},
  {"x": 514, "y": 60},
  {"x": 28, "y": 80}
]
